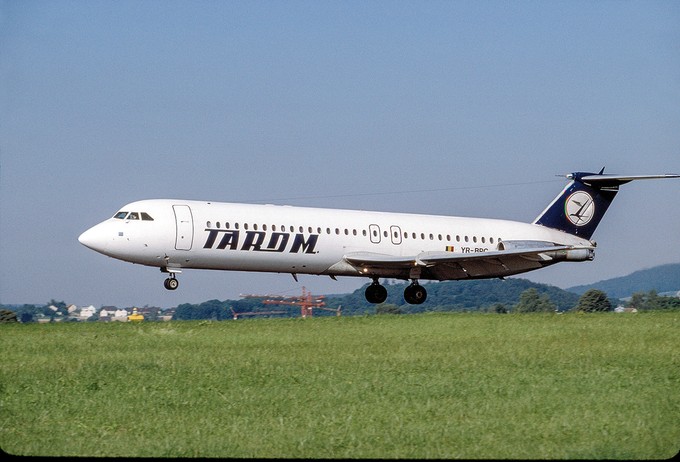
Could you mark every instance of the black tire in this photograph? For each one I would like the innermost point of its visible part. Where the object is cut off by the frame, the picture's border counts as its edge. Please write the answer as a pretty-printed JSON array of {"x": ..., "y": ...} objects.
[
  {"x": 375, "y": 293},
  {"x": 415, "y": 294},
  {"x": 171, "y": 283}
]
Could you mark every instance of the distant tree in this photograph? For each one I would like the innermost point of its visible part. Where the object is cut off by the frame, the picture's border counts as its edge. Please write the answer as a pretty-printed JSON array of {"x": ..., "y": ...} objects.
[
  {"x": 593, "y": 300},
  {"x": 60, "y": 306},
  {"x": 530, "y": 301},
  {"x": 26, "y": 317},
  {"x": 499, "y": 308},
  {"x": 651, "y": 300},
  {"x": 638, "y": 301},
  {"x": 7, "y": 316},
  {"x": 388, "y": 308}
]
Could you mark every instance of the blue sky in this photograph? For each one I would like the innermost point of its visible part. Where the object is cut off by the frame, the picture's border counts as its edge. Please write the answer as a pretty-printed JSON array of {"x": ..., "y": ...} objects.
[{"x": 456, "y": 107}]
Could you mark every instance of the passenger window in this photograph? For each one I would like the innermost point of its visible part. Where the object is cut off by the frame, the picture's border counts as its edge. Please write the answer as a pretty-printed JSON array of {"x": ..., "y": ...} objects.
[
  {"x": 120, "y": 215},
  {"x": 146, "y": 217}
]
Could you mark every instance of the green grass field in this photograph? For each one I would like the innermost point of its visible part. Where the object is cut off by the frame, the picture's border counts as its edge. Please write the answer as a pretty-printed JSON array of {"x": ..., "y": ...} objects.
[{"x": 596, "y": 386}]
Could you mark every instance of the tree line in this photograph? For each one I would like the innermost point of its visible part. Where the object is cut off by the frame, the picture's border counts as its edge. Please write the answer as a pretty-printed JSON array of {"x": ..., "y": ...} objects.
[
  {"x": 516, "y": 296},
  {"x": 510, "y": 296}
]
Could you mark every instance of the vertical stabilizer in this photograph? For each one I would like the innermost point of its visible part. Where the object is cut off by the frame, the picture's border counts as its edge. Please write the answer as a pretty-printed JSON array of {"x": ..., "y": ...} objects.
[
  {"x": 579, "y": 207},
  {"x": 582, "y": 204}
]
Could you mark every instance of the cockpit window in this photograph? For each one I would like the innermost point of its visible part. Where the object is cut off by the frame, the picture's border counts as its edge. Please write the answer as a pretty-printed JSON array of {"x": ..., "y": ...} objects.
[{"x": 133, "y": 216}]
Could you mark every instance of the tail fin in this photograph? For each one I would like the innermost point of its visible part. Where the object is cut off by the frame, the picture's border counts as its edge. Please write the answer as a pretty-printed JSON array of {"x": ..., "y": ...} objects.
[{"x": 582, "y": 204}]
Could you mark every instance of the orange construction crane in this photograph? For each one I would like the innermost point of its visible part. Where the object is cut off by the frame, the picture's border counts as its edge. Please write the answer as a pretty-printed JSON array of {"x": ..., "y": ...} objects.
[{"x": 307, "y": 302}]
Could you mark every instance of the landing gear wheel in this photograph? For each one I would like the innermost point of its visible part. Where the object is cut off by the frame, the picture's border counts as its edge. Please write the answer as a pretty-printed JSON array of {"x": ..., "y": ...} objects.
[
  {"x": 171, "y": 283},
  {"x": 415, "y": 294},
  {"x": 375, "y": 293}
]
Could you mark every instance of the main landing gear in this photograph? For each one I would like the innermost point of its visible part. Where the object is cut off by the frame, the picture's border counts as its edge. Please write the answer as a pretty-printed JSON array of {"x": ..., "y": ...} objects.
[
  {"x": 376, "y": 293},
  {"x": 414, "y": 294}
]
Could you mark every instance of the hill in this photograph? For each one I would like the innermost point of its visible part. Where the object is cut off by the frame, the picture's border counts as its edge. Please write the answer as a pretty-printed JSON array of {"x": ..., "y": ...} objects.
[
  {"x": 457, "y": 296},
  {"x": 664, "y": 278},
  {"x": 476, "y": 295}
]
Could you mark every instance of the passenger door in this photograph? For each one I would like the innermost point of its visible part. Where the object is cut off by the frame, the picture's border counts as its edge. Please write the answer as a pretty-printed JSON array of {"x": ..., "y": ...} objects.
[{"x": 185, "y": 227}]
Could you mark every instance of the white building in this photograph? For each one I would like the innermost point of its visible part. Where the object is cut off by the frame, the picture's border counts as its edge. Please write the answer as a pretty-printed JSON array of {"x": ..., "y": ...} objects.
[{"x": 86, "y": 312}]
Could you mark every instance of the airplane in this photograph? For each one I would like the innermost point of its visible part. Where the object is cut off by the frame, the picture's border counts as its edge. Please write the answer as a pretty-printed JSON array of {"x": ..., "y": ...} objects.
[{"x": 175, "y": 235}]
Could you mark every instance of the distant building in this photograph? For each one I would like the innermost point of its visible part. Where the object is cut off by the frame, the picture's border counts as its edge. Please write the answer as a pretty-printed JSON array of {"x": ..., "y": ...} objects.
[
  {"x": 623, "y": 309},
  {"x": 120, "y": 315},
  {"x": 87, "y": 312}
]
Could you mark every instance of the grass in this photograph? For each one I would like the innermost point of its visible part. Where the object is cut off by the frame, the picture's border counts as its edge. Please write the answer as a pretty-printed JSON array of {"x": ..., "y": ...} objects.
[{"x": 600, "y": 386}]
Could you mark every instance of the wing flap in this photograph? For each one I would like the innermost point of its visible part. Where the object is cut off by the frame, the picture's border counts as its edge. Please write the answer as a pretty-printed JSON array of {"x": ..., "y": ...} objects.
[
  {"x": 370, "y": 259},
  {"x": 451, "y": 266}
]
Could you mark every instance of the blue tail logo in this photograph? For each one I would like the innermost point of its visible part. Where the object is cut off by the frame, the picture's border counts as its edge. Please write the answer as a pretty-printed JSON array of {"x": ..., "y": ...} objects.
[{"x": 579, "y": 208}]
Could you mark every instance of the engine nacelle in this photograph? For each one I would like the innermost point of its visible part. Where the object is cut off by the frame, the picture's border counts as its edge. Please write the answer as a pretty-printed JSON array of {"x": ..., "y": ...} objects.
[
  {"x": 577, "y": 254},
  {"x": 580, "y": 254},
  {"x": 519, "y": 245}
]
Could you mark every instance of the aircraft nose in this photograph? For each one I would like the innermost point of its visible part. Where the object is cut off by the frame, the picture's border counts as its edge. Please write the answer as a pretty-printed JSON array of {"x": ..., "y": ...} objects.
[{"x": 93, "y": 238}]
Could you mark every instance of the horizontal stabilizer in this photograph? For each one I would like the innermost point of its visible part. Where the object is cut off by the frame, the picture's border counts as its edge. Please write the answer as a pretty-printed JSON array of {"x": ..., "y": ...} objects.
[{"x": 608, "y": 180}]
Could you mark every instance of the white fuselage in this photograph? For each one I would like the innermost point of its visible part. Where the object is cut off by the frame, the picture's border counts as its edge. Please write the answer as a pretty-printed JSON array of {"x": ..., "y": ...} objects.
[{"x": 177, "y": 234}]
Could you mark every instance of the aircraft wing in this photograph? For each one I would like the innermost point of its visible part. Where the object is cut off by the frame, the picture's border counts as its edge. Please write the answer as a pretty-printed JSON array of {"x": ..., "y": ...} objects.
[{"x": 448, "y": 265}]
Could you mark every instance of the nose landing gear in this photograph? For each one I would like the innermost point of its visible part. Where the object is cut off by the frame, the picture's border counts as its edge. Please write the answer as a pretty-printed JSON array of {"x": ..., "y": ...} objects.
[{"x": 171, "y": 283}]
